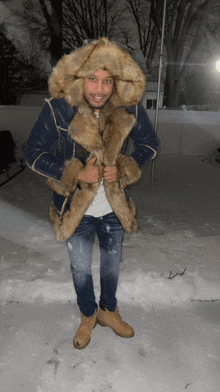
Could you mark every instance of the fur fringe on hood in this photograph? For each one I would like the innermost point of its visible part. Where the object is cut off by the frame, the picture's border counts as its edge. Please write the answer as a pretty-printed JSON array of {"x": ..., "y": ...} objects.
[{"x": 67, "y": 78}]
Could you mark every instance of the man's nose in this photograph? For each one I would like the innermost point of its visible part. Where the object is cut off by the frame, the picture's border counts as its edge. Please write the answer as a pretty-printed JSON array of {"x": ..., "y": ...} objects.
[{"x": 99, "y": 86}]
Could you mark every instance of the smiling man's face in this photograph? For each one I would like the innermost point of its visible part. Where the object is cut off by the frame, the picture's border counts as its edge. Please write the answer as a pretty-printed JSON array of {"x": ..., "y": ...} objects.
[{"x": 98, "y": 88}]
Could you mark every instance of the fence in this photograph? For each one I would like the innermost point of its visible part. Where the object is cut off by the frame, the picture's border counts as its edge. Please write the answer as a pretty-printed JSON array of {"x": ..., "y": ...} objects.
[{"x": 181, "y": 132}]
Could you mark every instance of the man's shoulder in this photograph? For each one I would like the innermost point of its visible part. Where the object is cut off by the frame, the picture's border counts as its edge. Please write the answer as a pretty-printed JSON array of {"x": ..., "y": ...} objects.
[
  {"x": 132, "y": 109},
  {"x": 138, "y": 110},
  {"x": 62, "y": 111},
  {"x": 61, "y": 104}
]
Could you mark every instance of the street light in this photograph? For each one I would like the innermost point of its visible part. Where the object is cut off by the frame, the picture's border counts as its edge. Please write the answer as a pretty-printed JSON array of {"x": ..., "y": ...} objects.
[{"x": 217, "y": 65}]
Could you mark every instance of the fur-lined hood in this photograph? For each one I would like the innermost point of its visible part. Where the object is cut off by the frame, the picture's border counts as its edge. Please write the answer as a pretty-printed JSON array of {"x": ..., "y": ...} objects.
[{"x": 67, "y": 78}]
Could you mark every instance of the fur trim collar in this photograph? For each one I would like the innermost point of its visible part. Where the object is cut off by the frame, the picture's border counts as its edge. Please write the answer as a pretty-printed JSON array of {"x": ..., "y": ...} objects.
[
  {"x": 102, "y": 137},
  {"x": 67, "y": 78}
]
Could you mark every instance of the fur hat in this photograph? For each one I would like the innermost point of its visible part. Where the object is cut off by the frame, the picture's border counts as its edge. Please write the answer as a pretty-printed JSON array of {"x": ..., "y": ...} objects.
[{"x": 67, "y": 78}]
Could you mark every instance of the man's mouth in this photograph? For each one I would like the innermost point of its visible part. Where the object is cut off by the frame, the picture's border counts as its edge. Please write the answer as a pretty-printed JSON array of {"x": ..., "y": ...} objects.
[{"x": 98, "y": 98}]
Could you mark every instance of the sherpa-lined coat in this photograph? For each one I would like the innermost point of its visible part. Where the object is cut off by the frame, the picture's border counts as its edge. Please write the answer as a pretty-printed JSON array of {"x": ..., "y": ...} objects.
[{"x": 67, "y": 135}]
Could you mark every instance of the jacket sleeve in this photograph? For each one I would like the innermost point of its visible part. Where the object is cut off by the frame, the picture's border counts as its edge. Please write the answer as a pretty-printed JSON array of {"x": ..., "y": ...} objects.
[
  {"x": 144, "y": 139},
  {"x": 41, "y": 142}
]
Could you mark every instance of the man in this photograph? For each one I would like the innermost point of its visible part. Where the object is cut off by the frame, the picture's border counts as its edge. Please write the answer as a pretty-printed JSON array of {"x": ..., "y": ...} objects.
[{"x": 79, "y": 143}]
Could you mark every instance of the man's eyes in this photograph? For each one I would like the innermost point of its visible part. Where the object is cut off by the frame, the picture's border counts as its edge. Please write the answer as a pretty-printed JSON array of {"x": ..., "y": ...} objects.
[{"x": 106, "y": 81}]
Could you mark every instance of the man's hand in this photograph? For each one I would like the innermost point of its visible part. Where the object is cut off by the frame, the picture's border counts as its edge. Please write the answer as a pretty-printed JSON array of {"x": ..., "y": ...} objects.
[
  {"x": 91, "y": 173},
  {"x": 110, "y": 173}
]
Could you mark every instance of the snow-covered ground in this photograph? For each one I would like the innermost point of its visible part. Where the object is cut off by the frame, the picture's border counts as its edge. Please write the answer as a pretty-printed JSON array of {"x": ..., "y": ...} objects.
[{"x": 168, "y": 290}]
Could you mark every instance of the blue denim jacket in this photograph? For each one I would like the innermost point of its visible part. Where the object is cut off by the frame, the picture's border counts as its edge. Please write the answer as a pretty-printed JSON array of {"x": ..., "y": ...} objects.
[{"x": 50, "y": 145}]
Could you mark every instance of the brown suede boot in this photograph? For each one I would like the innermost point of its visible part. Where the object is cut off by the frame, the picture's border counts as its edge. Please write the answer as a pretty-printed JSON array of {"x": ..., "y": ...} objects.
[
  {"x": 115, "y": 322},
  {"x": 83, "y": 335}
]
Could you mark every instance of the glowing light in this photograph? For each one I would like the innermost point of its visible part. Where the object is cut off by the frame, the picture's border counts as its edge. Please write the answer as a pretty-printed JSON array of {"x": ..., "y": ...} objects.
[{"x": 217, "y": 65}]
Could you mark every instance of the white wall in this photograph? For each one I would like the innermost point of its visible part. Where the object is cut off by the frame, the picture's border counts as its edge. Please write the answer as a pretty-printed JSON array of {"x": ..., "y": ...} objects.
[
  {"x": 19, "y": 120},
  {"x": 181, "y": 132}
]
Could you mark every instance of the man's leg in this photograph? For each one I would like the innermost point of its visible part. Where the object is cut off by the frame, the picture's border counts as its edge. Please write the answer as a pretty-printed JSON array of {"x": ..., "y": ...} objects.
[
  {"x": 80, "y": 247},
  {"x": 110, "y": 234}
]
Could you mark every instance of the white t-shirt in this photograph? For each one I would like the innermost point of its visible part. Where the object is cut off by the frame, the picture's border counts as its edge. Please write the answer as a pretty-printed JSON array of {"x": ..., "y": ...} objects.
[{"x": 100, "y": 205}]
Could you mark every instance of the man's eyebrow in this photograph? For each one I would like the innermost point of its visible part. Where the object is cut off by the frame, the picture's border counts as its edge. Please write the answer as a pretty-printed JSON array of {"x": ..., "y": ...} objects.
[{"x": 107, "y": 77}]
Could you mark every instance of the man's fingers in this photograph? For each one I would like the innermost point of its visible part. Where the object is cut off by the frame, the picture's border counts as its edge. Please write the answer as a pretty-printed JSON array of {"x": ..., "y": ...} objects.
[
  {"x": 92, "y": 161},
  {"x": 110, "y": 173}
]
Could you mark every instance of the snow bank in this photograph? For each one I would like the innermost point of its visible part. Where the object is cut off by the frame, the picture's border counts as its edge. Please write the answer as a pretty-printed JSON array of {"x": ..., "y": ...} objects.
[{"x": 142, "y": 288}]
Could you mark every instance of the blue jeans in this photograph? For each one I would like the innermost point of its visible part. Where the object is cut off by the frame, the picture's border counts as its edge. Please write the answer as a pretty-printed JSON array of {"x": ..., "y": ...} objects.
[{"x": 80, "y": 245}]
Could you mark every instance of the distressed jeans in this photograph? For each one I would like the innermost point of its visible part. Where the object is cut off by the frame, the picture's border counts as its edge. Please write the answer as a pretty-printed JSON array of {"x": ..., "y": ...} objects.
[{"x": 80, "y": 245}]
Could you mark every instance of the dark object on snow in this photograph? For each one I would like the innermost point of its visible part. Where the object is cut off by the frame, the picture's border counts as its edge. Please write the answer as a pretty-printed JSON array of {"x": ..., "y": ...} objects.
[
  {"x": 218, "y": 156},
  {"x": 7, "y": 157},
  {"x": 12, "y": 177},
  {"x": 7, "y": 147},
  {"x": 177, "y": 274}
]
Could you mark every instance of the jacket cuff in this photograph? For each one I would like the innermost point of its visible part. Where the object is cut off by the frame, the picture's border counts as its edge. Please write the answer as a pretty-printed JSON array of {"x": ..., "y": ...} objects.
[
  {"x": 68, "y": 181},
  {"x": 128, "y": 171}
]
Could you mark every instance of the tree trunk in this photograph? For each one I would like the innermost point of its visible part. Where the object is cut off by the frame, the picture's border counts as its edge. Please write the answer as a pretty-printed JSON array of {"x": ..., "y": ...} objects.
[
  {"x": 56, "y": 31},
  {"x": 169, "y": 86}
]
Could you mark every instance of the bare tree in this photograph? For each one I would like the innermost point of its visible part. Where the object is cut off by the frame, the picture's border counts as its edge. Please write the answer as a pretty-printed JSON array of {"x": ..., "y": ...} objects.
[
  {"x": 62, "y": 25},
  {"x": 44, "y": 21},
  {"x": 147, "y": 33},
  {"x": 17, "y": 73},
  {"x": 185, "y": 34},
  {"x": 88, "y": 19},
  {"x": 54, "y": 25},
  {"x": 186, "y": 28}
]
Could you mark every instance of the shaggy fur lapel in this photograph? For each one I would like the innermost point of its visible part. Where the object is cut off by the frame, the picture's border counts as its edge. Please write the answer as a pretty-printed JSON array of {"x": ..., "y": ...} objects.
[{"x": 103, "y": 138}]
